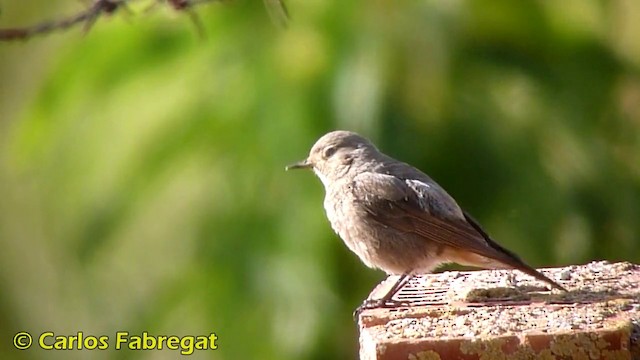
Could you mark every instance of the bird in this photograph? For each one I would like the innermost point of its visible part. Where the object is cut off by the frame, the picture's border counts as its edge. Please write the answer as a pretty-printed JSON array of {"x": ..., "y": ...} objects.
[{"x": 396, "y": 218}]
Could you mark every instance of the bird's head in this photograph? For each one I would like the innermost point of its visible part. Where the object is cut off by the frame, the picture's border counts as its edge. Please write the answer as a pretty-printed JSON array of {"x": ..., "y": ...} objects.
[{"x": 337, "y": 155}]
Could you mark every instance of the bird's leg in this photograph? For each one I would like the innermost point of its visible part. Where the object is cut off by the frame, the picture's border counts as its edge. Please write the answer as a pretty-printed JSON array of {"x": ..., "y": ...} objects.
[
  {"x": 385, "y": 301},
  {"x": 402, "y": 280}
]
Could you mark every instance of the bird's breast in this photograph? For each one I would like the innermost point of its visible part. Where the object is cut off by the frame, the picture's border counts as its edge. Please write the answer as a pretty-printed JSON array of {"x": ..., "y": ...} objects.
[{"x": 349, "y": 223}]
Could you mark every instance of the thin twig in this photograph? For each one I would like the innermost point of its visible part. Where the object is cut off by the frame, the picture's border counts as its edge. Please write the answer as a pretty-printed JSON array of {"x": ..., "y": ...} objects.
[
  {"x": 87, "y": 16},
  {"x": 91, "y": 14},
  {"x": 278, "y": 12}
]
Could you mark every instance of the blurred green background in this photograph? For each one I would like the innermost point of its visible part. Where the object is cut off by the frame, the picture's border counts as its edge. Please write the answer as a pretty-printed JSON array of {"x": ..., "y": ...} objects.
[{"x": 142, "y": 182}]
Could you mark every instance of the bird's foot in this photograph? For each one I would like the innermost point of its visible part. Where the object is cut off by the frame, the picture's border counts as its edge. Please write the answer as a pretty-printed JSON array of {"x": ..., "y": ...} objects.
[{"x": 376, "y": 304}]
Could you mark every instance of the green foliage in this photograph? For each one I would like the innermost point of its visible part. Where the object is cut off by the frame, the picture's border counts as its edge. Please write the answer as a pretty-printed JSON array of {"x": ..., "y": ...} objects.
[{"x": 142, "y": 169}]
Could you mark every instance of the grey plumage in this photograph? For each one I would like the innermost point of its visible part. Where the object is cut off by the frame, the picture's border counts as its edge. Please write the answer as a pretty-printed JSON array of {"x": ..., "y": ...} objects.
[{"x": 395, "y": 217}]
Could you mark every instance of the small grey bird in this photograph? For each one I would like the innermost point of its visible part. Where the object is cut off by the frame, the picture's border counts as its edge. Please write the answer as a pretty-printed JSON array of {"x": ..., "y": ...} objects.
[{"x": 395, "y": 217}]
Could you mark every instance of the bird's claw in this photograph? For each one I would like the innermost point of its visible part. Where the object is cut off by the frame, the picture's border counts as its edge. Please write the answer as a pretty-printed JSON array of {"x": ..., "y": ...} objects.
[{"x": 376, "y": 304}]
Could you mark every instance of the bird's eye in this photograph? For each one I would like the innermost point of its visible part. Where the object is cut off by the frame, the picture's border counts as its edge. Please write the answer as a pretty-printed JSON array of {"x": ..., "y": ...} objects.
[{"x": 328, "y": 152}]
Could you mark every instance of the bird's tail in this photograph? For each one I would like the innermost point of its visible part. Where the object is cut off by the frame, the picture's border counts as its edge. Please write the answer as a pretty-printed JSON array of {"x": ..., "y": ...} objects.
[{"x": 508, "y": 259}]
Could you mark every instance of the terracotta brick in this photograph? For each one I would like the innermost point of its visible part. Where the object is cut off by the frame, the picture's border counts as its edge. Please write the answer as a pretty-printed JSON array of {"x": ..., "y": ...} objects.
[{"x": 504, "y": 314}]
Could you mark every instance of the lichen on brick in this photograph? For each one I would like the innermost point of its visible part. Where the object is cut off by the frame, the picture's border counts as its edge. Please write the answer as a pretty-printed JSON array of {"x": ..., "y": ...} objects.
[
  {"x": 581, "y": 346},
  {"x": 425, "y": 355}
]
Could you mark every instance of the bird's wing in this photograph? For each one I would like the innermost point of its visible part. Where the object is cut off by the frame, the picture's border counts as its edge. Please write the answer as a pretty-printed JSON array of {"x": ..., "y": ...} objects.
[
  {"x": 425, "y": 209},
  {"x": 422, "y": 207}
]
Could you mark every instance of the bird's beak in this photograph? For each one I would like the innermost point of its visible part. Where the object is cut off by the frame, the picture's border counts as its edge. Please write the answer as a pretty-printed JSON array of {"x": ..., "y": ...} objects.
[{"x": 304, "y": 164}]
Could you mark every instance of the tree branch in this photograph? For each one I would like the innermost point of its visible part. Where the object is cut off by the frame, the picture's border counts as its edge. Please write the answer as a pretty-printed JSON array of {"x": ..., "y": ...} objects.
[{"x": 90, "y": 15}]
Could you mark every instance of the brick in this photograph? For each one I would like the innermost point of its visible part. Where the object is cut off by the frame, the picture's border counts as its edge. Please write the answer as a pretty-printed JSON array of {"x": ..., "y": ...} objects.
[{"x": 504, "y": 314}]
